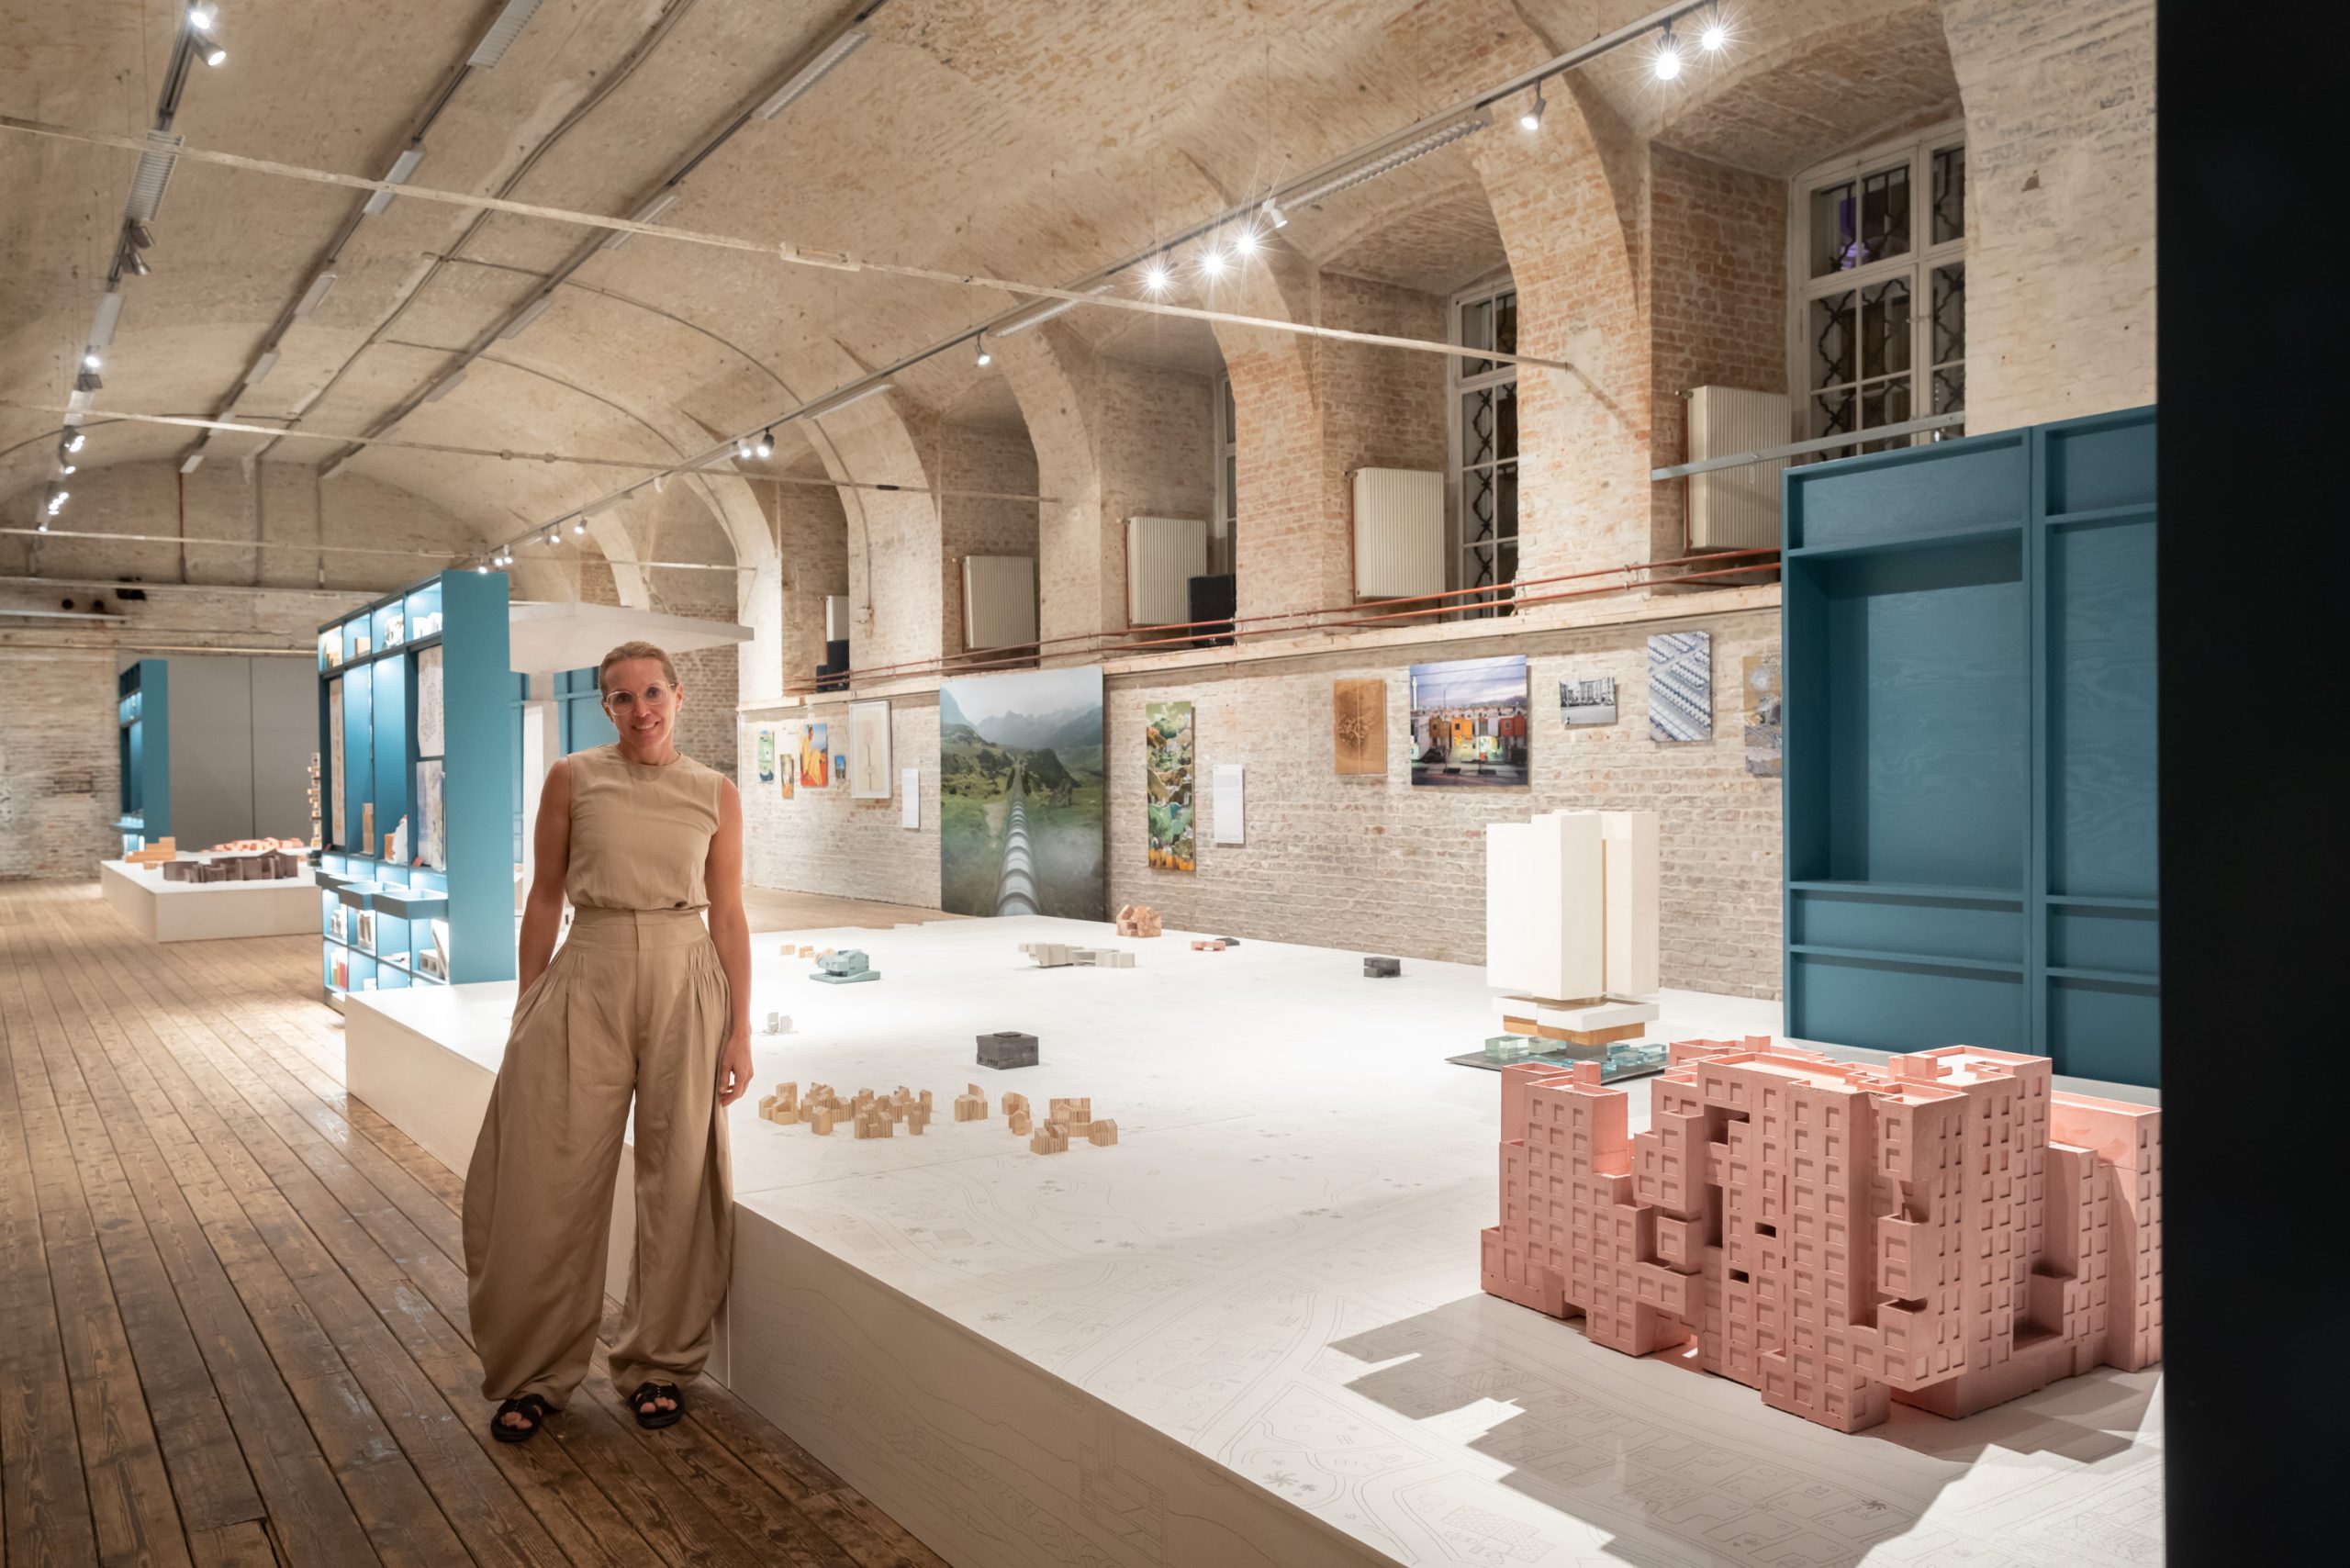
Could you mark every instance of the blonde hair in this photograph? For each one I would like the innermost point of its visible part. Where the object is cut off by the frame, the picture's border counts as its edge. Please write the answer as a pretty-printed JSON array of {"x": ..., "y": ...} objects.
[{"x": 635, "y": 651}]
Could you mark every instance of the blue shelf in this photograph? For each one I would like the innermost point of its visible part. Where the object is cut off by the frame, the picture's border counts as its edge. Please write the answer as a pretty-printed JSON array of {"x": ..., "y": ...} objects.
[
  {"x": 1968, "y": 637},
  {"x": 379, "y": 691}
]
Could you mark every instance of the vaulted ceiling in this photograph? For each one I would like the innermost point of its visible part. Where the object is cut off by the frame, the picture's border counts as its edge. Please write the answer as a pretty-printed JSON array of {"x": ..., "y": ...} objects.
[{"x": 1029, "y": 138}]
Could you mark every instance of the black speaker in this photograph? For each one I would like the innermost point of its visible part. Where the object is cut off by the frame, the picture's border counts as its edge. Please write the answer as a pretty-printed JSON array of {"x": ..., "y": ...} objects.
[{"x": 1213, "y": 600}]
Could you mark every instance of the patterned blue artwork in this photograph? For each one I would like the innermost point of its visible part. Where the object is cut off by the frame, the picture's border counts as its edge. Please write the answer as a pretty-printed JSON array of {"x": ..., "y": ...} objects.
[{"x": 1680, "y": 685}]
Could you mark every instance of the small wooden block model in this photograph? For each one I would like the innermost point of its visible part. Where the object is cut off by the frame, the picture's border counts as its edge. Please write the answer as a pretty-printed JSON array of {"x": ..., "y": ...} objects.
[
  {"x": 971, "y": 1105},
  {"x": 1101, "y": 1134},
  {"x": 821, "y": 1121},
  {"x": 1137, "y": 919},
  {"x": 1073, "y": 1114},
  {"x": 1012, "y": 1103},
  {"x": 1047, "y": 954},
  {"x": 1020, "y": 1124},
  {"x": 1102, "y": 958},
  {"x": 1208, "y": 946},
  {"x": 1051, "y": 1138}
]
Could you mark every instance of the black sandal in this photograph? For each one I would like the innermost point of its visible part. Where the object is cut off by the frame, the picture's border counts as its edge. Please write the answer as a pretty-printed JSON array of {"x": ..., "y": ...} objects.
[
  {"x": 656, "y": 1417},
  {"x": 529, "y": 1404}
]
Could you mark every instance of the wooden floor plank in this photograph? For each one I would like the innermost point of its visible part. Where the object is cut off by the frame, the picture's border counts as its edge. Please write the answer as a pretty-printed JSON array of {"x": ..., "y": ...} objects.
[
  {"x": 333, "y": 1284},
  {"x": 224, "y": 1243}
]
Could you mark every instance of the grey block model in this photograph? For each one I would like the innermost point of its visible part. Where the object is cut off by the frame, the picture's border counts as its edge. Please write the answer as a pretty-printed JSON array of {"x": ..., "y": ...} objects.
[
  {"x": 1382, "y": 968},
  {"x": 1010, "y": 1049},
  {"x": 844, "y": 967}
]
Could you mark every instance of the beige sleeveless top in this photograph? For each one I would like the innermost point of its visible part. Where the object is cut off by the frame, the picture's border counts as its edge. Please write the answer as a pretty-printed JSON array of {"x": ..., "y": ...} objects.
[{"x": 640, "y": 833}]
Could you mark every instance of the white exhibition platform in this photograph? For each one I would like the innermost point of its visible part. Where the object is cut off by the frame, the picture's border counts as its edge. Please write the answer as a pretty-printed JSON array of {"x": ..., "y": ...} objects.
[
  {"x": 1251, "y": 1333},
  {"x": 199, "y": 911}
]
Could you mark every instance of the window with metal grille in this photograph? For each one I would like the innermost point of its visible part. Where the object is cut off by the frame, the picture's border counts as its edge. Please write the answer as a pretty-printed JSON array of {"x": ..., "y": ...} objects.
[
  {"x": 1484, "y": 441},
  {"x": 1879, "y": 330}
]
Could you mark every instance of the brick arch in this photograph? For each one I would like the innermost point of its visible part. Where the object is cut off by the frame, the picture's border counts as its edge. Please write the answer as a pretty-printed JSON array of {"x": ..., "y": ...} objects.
[
  {"x": 1567, "y": 203},
  {"x": 1055, "y": 378}
]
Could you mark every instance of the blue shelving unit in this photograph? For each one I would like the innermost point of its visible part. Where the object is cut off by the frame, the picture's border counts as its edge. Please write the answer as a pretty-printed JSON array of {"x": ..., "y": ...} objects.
[
  {"x": 1968, "y": 633},
  {"x": 143, "y": 753},
  {"x": 378, "y": 917}
]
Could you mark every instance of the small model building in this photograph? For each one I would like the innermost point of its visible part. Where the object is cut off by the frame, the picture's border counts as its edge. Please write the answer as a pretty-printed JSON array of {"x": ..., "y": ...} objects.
[
  {"x": 1009, "y": 1048},
  {"x": 1137, "y": 919},
  {"x": 971, "y": 1105},
  {"x": 1571, "y": 923},
  {"x": 1058, "y": 955},
  {"x": 1215, "y": 944},
  {"x": 1051, "y": 1138},
  {"x": 1382, "y": 969},
  {"x": 155, "y": 854},
  {"x": 1101, "y": 1134},
  {"x": 843, "y": 969},
  {"x": 1076, "y": 1115},
  {"x": 1944, "y": 1229},
  {"x": 1047, "y": 954},
  {"x": 1020, "y": 1124}
]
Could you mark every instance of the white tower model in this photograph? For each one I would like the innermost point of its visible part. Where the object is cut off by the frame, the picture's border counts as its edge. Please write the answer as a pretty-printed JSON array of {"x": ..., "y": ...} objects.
[{"x": 1571, "y": 923}]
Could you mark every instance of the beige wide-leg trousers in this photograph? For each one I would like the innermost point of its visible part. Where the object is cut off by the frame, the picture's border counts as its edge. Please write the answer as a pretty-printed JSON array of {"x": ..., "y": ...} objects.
[{"x": 635, "y": 1003}]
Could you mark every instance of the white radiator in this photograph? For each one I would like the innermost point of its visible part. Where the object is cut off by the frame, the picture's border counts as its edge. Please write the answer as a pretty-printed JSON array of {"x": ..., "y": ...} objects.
[
  {"x": 998, "y": 601},
  {"x": 1163, "y": 555},
  {"x": 1399, "y": 532},
  {"x": 836, "y": 616},
  {"x": 1736, "y": 508}
]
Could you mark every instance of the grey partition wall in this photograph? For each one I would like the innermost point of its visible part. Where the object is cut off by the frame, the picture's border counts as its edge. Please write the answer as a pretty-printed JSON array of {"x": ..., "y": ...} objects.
[{"x": 241, "y": 736}]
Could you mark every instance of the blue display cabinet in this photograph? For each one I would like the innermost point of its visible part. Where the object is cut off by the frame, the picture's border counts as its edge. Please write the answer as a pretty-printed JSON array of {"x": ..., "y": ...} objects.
[
  {"x": 1968, "y": 633},
  {"x": 143, "y": 753},
  {"x": 412, "y": 715}
]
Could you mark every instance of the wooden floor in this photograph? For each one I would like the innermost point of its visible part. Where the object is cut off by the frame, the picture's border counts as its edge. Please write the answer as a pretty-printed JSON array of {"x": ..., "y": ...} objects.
[{"x": 232, "y": 1305}]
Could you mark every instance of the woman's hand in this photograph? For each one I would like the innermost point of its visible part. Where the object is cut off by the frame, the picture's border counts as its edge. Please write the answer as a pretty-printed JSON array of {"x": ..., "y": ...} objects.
[{"x": 734, "y": 1066}]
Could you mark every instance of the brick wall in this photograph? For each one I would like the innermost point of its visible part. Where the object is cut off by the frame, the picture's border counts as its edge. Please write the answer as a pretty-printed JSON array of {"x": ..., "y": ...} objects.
[
  {"x": 811, "y": 530},
  {"x": 821, "y": 841},
  {"x": 1717, "y": 252},
  {"x": 973, "y": 458},
  {"x": 2059, "y": 97},
  {"x": 59, "y": 780},
  {"x": 1375, "y": 863}
]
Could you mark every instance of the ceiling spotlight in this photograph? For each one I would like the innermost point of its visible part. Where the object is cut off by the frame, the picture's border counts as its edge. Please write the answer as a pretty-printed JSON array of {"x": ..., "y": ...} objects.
[
  {"x": 1245, "y": 242},
  {"x": 1715, "y": 35},
  {"x": 1212, "y": 260},
  {"x": 1668, "y": 57},
  {"x": 554, "y": 536},
  {"x": 142, "y": 236},
  {"x": 742, "y": 449},
  {"x": 979, "y": 355},
  {"x": 1154, "y": 277},
  {"x": 57, "y": 501},
  {"x": 201, "y": 17},
  {"x": 1532, "y": 119},
  {"x": 766, "y": 444},
  {"x": 212, "y": 52},
  {"x": 135, "y": 262},
  {"x": 579, "y": 525},
  {"x": 68, "y": 468},
  {"x": 89, "y": 360},
  {"x": 77, "y": 441},
  {"x": 480, "y": 566},
  {"x": 88, "y": 381},
  {"x": 1274, "y": 216}
]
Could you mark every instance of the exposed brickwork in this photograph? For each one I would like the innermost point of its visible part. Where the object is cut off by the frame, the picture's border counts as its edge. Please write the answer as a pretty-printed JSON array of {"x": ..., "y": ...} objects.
[
  {"x": 1716, "y": 254},
  {"x": 2060, "y": 206},
  {"x": 812, "y": 532},
  {"x": 971, "y": 458},
  {"x": 1374, "y": 863},
  {"x": 59, "y": 780},
  {"x": 821, "y": 841}
]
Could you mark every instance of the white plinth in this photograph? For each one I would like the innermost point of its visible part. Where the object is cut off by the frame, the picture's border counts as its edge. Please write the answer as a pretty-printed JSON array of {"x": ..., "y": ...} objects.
[
  {"x": 196, "y": 911},
  {"x": 1251, "y": 1334}
]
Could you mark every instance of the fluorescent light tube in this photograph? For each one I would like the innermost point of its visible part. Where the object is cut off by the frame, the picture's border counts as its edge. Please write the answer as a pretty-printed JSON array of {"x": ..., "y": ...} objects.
[
  {"x": 315, "y": 294},
  {"x": 501, "y": 36},
  {"x": 402, "y": 167},
  {"x": 1388, "y": 162},
  {"x": 539, "y": 308},
  {"x": 808, "y": 75},
  {"x": 645, "y": 214},
  {"x": 102, "y": 325},
  {"x": 153, "y": 174}
]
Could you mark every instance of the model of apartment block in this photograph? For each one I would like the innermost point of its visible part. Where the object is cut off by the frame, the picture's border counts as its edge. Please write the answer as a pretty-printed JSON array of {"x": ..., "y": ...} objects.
[
  {"x": 1571, "y": 919},
  {"x": 1945, "y": 1230}
]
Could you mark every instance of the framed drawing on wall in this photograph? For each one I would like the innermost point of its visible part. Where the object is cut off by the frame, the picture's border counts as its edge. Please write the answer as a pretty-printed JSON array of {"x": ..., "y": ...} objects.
[{"x": 868, "y": 751}]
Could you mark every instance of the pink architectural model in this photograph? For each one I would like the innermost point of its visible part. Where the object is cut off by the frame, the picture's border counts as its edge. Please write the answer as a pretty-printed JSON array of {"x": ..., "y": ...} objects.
[{"x": 1944, "y": 1229}]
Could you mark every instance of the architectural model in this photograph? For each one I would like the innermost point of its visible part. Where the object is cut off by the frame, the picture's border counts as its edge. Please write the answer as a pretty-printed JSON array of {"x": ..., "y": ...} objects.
[
  {"x": 1059, "y": 955},
  {"x": 154, "y": 853},
  {"x": 1382, "y": 969},
  {"x": 873, "y": 1116},
  {"x": 1571, "y": 925},
  {"x": 1137, "y": 919},
  {"x": 1210, "y": 944},
  {"x": 844, "y": 969},
  {"x": 1945, "y": 1230},
  {"x": 1009, "y": 1048}
]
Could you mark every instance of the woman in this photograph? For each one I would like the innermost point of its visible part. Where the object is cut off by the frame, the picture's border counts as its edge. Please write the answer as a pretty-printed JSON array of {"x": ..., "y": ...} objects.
[{"x": 642, "y": 1001}]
